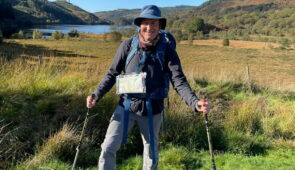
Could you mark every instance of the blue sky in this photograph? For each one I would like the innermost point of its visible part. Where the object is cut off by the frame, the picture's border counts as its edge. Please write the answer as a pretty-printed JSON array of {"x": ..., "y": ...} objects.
[{"x": 107, "y": 5}]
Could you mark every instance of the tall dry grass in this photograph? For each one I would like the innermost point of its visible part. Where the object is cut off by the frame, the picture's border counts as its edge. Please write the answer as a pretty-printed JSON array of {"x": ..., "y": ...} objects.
[
  {"x": 60, "y": 143},
  {"x": 40, "y": 98},
  {"x": 268, "y": 68}
]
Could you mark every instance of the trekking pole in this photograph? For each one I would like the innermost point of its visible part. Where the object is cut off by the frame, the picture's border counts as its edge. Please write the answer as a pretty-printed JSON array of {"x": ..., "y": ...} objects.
[
  {"x": 81, "y": 138},
  {"x": 209, "y": 137}
]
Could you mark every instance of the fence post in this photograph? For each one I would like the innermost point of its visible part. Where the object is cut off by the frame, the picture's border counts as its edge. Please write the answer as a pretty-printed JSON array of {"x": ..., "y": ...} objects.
[
  {"x": 248, "y": 78},
  {"x": 40, "y": 59}
]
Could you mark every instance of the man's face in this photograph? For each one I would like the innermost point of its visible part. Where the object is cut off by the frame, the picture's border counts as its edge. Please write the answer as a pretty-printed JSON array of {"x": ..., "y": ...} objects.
[{"x": 149, "y": 29}]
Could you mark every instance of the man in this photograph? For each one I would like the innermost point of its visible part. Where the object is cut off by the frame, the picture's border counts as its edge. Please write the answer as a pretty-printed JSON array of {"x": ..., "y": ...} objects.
[{"x": 146, "y": 108}]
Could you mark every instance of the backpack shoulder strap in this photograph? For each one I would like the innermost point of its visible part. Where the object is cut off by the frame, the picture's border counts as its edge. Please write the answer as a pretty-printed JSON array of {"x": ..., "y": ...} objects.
[
  {"x": 170, "y": 40},
  {"x": 133, "y": 50},
  {"x": 160, "y": 54},
  {"x": 166, "y": 39}
]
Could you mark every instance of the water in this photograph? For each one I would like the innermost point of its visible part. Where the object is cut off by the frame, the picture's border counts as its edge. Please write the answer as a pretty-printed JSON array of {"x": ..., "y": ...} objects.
[{"x": 93, "y": 29}]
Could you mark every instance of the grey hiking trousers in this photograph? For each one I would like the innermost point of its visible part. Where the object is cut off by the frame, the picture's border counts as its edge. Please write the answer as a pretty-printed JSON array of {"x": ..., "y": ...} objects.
[{"x": 113, "y": 139}]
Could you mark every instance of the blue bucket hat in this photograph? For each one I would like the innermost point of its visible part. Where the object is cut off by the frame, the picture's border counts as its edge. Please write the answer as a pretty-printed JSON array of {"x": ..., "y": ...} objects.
[{"x": 150, "y": 12}]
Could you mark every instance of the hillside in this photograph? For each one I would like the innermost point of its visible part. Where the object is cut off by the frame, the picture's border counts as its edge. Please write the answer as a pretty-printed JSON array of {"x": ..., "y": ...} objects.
[
  {"x": 224, "y": 6},
  {"x": 45, "y": 12},
  {"x": 211, "y": 7},
  {"x": 242, "y": 17},
  {"x": 126, "y": 16},
  {"x": 263, "y": 17},
  {"x": 26, "y": 13}
]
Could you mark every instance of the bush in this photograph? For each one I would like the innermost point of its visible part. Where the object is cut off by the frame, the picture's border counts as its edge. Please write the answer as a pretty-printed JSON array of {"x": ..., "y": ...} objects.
[
  {"x": 73, "y": 33},
  {"x": 191, "y": 130},
  {"x": 21, "y": 34},
  {"x": 113, "y": 36},
  {"x": 37, "y": 34},
  {"x": 57, "y": 35},
  {"x": 225, "y": 42},
  {"x": 246, "y": 116}
]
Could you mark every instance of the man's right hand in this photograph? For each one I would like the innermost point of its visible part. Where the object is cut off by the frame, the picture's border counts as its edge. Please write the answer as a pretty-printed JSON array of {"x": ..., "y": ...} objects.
[{"x": 90, "y": 101}]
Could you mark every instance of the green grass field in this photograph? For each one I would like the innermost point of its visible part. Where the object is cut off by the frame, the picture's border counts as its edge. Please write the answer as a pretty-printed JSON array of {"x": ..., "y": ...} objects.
[{"x": 42, "y": 107}]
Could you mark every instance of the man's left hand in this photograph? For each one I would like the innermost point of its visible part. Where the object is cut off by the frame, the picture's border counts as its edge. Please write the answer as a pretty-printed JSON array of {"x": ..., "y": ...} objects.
[{"x": 203, "y": 106}]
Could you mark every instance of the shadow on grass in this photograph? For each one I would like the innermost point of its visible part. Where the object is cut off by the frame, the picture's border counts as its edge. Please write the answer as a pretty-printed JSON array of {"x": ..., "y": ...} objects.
[
  {"x": 226, "y": 90},
  {"x": 28, "y": 120},
  {"x": 12, "y": 50}
]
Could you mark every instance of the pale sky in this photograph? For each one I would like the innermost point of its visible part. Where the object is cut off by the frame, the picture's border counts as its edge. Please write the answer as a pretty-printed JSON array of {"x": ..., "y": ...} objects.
[{"x": 108, "y": 5}]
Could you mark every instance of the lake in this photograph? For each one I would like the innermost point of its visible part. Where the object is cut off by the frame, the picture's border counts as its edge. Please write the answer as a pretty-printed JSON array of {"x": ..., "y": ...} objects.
[{"x": 93, "y": 29}]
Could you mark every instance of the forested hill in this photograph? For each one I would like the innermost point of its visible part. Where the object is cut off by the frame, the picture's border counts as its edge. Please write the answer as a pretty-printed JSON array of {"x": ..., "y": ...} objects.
[
  {"x": 43, "y": 11},
  {"x": 20, "y": 13},
  {"x": 126, "y": 16},
  {"x": 213, "y": 7},
  {"x": 265, "y": 17}
]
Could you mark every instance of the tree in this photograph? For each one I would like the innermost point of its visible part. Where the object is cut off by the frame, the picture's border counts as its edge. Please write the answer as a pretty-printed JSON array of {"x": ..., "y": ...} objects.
[
  {"x": 73, "y": 33},
  {"x": 21, "y": 34},
  {"x": 57, "y": 35},
  {"x": 37, "y": 34},
  {"x": 177, "y": 35},
  {"x": 195, "y": 24}
]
